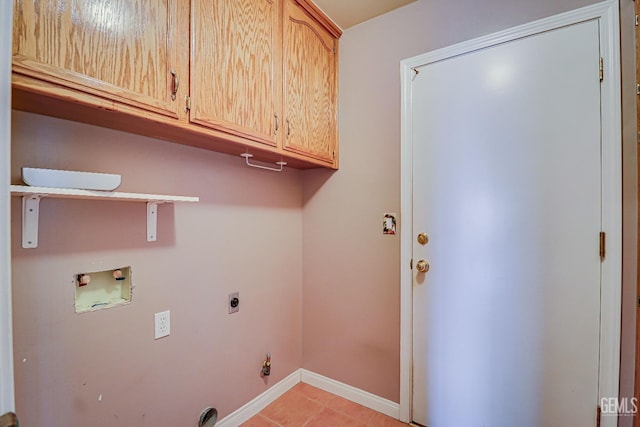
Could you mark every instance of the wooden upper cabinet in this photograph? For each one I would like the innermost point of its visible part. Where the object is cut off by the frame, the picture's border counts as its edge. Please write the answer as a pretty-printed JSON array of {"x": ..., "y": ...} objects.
[
  {"x": 118, "y": 50},
  {"x": 310, "y": 84},
  {"x": 235, "y": 78}
]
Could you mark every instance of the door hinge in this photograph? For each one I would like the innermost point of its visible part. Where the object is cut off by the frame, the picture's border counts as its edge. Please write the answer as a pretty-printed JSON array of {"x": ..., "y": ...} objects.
[
  {"x": 411, "y": 264},
  {"x": 598, "y": 416},
  {"x": 601, "y": 69},
  {"x": 636, "y": 20},
  {"x": 187, "y": 103},
  {"x": 637, "y": 89},
  {"x": 603, "y": 241}
]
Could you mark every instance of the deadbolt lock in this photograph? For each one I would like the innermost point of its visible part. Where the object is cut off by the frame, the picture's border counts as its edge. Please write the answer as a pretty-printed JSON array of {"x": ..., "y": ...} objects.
[
  {"x": 422, "y": 266},
  {"x": 423, "y": 239}
]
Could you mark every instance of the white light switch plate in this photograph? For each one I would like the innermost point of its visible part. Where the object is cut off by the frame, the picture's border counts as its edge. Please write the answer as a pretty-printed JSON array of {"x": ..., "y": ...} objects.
[{"x": 163, "y": 324}]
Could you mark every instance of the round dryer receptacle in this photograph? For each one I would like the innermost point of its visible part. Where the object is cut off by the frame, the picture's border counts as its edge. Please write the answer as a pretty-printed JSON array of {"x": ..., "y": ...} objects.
[{"x": 208, "y": 418}]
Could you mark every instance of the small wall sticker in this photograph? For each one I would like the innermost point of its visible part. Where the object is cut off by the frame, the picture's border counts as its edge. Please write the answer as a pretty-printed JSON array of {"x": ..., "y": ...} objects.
[{"x": 389, "y": 224}]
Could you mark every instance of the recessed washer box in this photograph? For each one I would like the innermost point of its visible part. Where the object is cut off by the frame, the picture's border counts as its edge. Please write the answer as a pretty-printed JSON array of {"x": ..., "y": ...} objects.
[
  {"x": 37, "y": 177},
  {"x": 102, "y": 289}
]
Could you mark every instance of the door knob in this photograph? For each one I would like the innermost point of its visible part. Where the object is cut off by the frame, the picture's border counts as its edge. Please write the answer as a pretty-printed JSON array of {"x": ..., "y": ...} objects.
[
  {"x": 422, "y": 266},
  {"x": 8, "y": 420},
  {"x": 423, "y": 239}
]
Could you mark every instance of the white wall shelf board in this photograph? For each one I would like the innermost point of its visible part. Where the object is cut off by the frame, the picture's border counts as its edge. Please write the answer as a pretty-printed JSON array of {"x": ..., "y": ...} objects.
[{"x": 31, "y": 206}]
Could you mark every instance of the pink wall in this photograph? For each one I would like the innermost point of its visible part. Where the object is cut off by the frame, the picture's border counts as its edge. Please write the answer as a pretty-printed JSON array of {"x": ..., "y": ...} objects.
[
  {"x": 630, "y": 203},
  {"x": 245, "y": 235},
  {"x": 351, "y": 285}
]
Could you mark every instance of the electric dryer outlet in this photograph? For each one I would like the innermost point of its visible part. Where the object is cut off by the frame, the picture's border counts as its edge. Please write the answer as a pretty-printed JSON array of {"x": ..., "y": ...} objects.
[{"x": 234, "y": 302}]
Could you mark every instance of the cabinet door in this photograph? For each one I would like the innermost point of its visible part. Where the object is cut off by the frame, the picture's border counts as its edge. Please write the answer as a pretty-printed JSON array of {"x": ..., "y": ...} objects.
[
  {"x": 309, "y": 86},
  {"x": 120, "y": 50},
  {"x": 234, "y": 54}
]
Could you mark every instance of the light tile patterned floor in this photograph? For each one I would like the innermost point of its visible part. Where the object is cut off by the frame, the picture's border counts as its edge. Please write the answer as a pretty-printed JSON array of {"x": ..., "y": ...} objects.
[{"x": 308, "y": 406}]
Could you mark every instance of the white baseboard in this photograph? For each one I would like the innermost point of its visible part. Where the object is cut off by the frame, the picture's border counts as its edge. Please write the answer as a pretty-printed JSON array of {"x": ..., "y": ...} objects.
[
  {"x": 247, "y": 411},
  {"x": 353, "y": 394}
]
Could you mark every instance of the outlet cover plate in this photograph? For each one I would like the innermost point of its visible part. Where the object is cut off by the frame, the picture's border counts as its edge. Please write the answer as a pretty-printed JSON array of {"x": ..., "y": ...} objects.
[{"x": 162, "y": 324}]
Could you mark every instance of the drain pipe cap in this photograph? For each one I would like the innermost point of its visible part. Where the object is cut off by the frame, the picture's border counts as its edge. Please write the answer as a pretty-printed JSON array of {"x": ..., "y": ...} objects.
[{"x": 208, "y": 417}]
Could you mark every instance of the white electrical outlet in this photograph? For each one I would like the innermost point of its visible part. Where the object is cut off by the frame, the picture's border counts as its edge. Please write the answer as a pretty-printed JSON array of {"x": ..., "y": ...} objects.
[{"x": 163, "y": 324}]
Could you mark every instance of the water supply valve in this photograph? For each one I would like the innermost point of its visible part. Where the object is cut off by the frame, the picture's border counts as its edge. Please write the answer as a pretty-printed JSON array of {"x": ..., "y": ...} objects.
[{"x": 266, "y": 366}]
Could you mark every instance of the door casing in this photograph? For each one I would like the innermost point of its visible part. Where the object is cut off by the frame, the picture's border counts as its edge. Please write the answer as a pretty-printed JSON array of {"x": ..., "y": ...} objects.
[
  {"x": 607, "y": 14},
  {"x": 7, "y": 399}
]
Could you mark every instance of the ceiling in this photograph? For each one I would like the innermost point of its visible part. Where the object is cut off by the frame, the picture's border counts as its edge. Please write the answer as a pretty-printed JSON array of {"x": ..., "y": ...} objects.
[{"x": 347, "y": 13}]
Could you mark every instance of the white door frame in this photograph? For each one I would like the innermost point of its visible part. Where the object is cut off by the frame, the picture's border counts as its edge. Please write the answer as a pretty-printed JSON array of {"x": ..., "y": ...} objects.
[
  {"x": 7, "y": 398},
  {"x": 611, "y": 290}
]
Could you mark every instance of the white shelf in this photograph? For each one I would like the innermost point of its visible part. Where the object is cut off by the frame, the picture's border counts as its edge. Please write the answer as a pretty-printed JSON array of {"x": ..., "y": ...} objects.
[
  {"x": 25, "y": 190},
  {"x": 31, "y": 206}
]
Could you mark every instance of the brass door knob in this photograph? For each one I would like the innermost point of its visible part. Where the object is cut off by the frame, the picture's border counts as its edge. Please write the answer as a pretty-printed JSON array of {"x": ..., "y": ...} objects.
[
  {"x": 422, "y": 266},
  {"x": 423, "y": 239}
]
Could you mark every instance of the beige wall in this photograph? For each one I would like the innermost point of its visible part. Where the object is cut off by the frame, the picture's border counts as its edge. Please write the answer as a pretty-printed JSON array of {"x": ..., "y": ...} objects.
[
  {"x": 245, "y": 235},
  {"x": 351, "y": 316}
]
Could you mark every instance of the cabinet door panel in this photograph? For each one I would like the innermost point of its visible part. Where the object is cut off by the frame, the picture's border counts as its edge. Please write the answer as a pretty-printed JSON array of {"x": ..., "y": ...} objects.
[
  {"x": 121, "y": 50},
  {"x": 233, "y": 67},
  {"x": 310, "y": 86}
]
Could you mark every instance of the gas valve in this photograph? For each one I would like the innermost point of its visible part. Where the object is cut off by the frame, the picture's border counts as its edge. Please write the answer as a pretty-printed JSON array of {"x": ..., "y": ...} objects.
[{"x": 266, "y": 366}]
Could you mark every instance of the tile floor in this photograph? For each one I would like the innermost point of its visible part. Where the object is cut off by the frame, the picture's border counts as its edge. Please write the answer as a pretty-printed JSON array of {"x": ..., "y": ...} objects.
[{"x": 308, "y": 406}]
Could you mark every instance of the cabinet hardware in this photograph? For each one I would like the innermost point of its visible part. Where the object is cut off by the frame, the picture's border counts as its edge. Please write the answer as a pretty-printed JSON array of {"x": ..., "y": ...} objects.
[
  {"x": 187, "y": 103},
  {"x": 277, "y": 125},
  {"x": 174, "y": 85},
  {"x": 603, "y": 238},
  {"x": 288, "y": 128}
]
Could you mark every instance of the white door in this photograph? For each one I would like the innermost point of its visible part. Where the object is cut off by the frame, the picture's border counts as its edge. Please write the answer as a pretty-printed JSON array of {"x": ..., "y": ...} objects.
[{"x": 507, "y": 185}]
